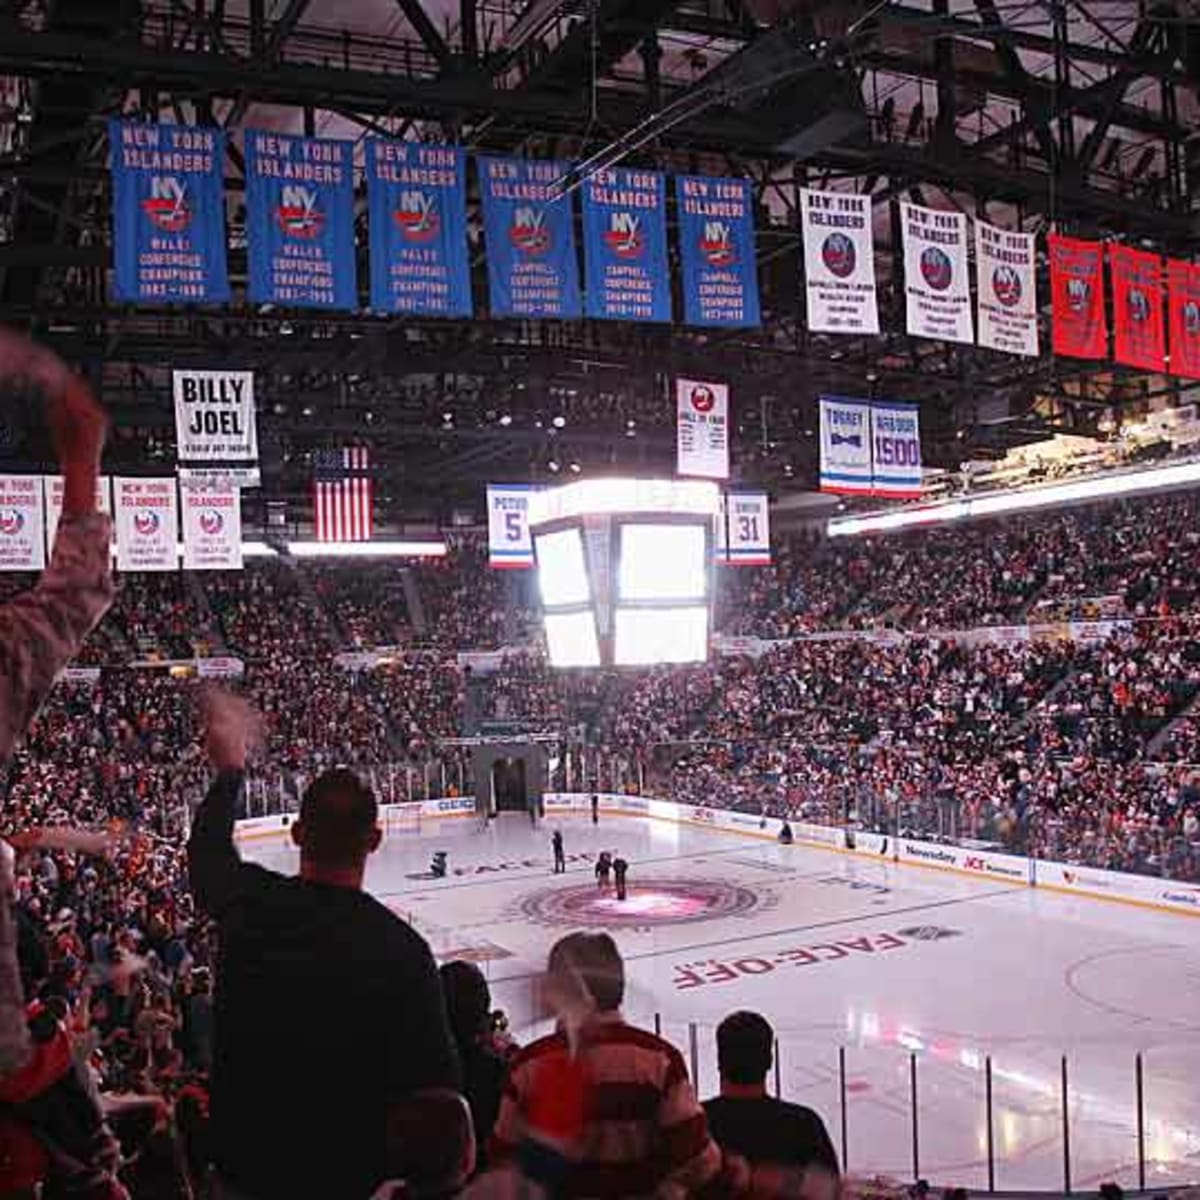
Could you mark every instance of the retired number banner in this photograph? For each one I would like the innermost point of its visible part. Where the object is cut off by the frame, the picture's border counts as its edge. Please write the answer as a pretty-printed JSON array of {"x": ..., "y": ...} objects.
[
  {"x": 936, "y": 285},
  {"x": 845, "y": 445},
  {"x": 1005, "y": 271},
  {"x": 748, "y": 518},
  {"x": 300, "y": 221},
  {"x": 716, "y": 249},
  {"x": 625, "y": 246},
  {"x": 702, "y": 411},
  {"x": 530, "y": 235},
  {"x": 22, "y": 523},
  {"x": 168, "y": 213},
  {"x": 509, "y": 543},
  {"x": 1139, "y": 336},
  {"x": 417, "y": 198},
  {"x": 147, "y": 522},
  {"x": 1077, "y": 292},
  {"x": 895, "y": 449},
  {"x": 1183, "y": 304},
  {"x": 839, "y": 262},
  {"x": 212, "y": 528}
]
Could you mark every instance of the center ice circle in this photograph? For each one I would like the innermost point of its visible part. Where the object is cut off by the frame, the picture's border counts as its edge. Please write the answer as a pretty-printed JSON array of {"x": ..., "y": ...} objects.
[{"x": 649, "y": 902}]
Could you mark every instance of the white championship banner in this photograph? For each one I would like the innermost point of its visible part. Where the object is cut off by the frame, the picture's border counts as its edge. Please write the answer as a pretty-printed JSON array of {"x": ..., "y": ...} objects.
[
  {"x": 749, "y": 542},
  {"x": 896, "y": 443},
  {"x": 22, "y": 523},
  {"x": 212, "y": 528},
  {"x": 510, "y": 546},
  {"x": 702, "y": 414},
  {"x": 845, "y": 445},
  {"x": 1006, "y": 273},
  {"x": 214, "y": 416},
  {"x": 936, "y": 284},
  {"x": 52, "y": 493},
  {"x": 839, "y": 262},
  {"x": 146, "y": 514}
]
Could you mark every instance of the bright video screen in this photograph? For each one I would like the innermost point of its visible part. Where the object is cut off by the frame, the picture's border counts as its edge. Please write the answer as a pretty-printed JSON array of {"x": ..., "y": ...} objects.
[
  {"x": 571, "y": 639},
  {"x": 562, "y": 576},
  {"x": 663, "y": 562},
  {"x": 661, "y": 635}
]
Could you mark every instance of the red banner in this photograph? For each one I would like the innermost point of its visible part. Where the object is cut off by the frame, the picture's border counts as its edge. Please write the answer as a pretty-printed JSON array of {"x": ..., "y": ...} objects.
[
  {"x": 1077, "y": 286},
  {"x": 1183, "y": 307},
  {"x": 1139, "y": 338}
]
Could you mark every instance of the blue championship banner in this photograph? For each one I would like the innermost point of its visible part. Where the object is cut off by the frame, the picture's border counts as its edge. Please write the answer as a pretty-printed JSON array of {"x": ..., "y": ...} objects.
[
  {"x": 417, "y": 196},
  {"x": 625, "y": 246},
  {"x": 716, "y": 242},
  {"x": 168, "y": 213},
  {"x": 532, "y": 269},
  {"x": 300, "y": 221}
]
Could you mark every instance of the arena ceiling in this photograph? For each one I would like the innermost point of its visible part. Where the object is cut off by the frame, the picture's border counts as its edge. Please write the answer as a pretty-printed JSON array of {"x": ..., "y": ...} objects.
[{"x": 1027, "y": 113}]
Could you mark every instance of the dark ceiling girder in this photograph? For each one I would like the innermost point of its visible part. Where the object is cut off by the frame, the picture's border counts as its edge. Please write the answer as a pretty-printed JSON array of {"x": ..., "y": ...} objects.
[
  {"x": 1143, "y": 35},
  {"x": 272, "y": 48},
  {"x": 425, "y": 29}
]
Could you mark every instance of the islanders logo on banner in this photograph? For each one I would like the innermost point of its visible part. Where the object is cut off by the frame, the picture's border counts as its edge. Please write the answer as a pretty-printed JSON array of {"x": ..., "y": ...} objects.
[
  {"x": 717, "y": 244},
  {"x": 1138, "y": 305},
  {"x": 529, "y": 233},
  {"x": 1006, "y": 285},
  {"x": 624, "y": 236},
  {"x": 146, "y": 523},
  {"x": 936, "y": 268},
  {"x": 12, "y": 521},
  {"x": 838, "y": 255},
  {"x": 211, "y": 522},
  {"x": 299, "y": 212},
  {"x": 417, "y": 216},
  {"x": 167, "y": 205},
  {"x": 1079, "y": 294},
  {"x": 703, "y": 399}
]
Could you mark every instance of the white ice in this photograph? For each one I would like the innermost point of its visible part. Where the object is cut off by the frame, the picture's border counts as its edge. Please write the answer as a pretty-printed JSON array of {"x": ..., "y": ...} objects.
[{"x": 985, "y": 969}]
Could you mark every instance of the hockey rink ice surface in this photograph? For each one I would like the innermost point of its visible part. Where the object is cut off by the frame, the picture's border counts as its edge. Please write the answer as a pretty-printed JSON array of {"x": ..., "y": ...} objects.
[{"x": 837, "y": 951}]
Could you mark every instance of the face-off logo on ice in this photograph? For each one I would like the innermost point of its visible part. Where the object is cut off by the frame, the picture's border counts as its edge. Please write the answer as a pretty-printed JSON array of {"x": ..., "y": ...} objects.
[
  {"x": 936, "y": 268},
  {"x": 417, "y": 216},
  {"x": 650, "y": 903},
  {"x": 146, "y": 523},
  {"x": 624, "y": 236},
  {"x": 211, "y": 522},
  {"x": 12, "y": 521},
  {"x": 717, "y": 244},
  {"x": 929, "y": 933},
  {"x": 299, "y": 214},
  {"x": 838, "y": 255},
  {"x": 703, "y": 400},
  {"x": 167, "y": 205},
  {"x": 1006, "y": 285},
  {"x": 529, "y": 233}
]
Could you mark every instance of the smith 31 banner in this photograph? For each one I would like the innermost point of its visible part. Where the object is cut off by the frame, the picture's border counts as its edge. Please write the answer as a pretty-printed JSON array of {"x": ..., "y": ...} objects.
[
  {"x": 702, "y": 411},
  {"x": 1005, "y": 268},
  {"x": 52, "y": 493},
  {"x": 625, "y": 246},
  {"x": 748, "y": 542},
  {"x": 509, "y": 543},
  {"x": 532, "y": 268},
  {"x": 168, "y": 213},
  {"x": 1183, "y": 307},
  {"x": 1077, "y": 292},
  {"x": 214, "y": 416},
  {"x": 839, "y": 262},
  {"x": 845, "y": 445},
  {"x": 212, "y": 528},
  {"x": 936, "y": 284},
  {"x": 716, "y": 247},
  {"x": 300, "y": 221},
  {"x": 22, "y": 523},
  {"x": 895, "y": 449},
  {"x": 1139, "y": 337},
  {"x": 146, "y": 516},
  {"x": 417, "y": 198}
]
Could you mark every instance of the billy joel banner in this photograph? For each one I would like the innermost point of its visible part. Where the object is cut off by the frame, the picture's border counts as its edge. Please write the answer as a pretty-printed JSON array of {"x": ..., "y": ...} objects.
[
  {"x": 212, "y": 528},
  {"x": 716, "y": 248},
  {"x": 1139, "y": 338},
  {"x": 532, "y": 268},
  {"x": 417, "y": 198},
  {"x": 702, "y": 411},
  {"x": 1077, "y": 292},
  {"x": 748, "y": 538},
  {"x": 936, "y": 284},
  {"x": 300, "y": 221},
  {"x": 839, "y": 262},
  {"x": 168, "y": 213},
  {"x": 509, "y": 543},
  {"x": 147, "y": 524},
  {"x": 1183, "y": 307},
  {"x": 1006, "y": 270},
  {"x": 845, "y": 445},
  {"x": 895, "y": 449},
  {"x": 214, "y": 416},
  {"x": 22, "y": 523},
  {"x": 625, "y": 246},
  {"x": 52, "y": 489}
]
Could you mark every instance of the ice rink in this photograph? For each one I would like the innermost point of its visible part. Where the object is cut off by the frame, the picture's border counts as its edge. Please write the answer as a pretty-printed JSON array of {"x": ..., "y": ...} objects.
[{"x": 888, "y": 962}]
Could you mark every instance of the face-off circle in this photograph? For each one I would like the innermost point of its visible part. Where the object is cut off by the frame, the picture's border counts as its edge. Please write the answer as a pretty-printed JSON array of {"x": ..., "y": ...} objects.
[{"x": 651, "y": 902}]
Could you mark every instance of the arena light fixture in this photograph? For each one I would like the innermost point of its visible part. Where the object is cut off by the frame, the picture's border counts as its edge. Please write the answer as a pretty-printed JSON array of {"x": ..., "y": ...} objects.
[
  {"x": 661, "y": 635},
  {"x": 381, "y": 549},
  {"x": 607, "y": 496},
  {"x": 562, "y": 573},
  {"x": 571, "y": 639},
  {"x": 1102, "y": 487}
]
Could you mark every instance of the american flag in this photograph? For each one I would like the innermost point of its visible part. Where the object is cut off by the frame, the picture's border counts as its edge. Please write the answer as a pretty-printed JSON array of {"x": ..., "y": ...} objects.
[{"x": 342, "y": 498}]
